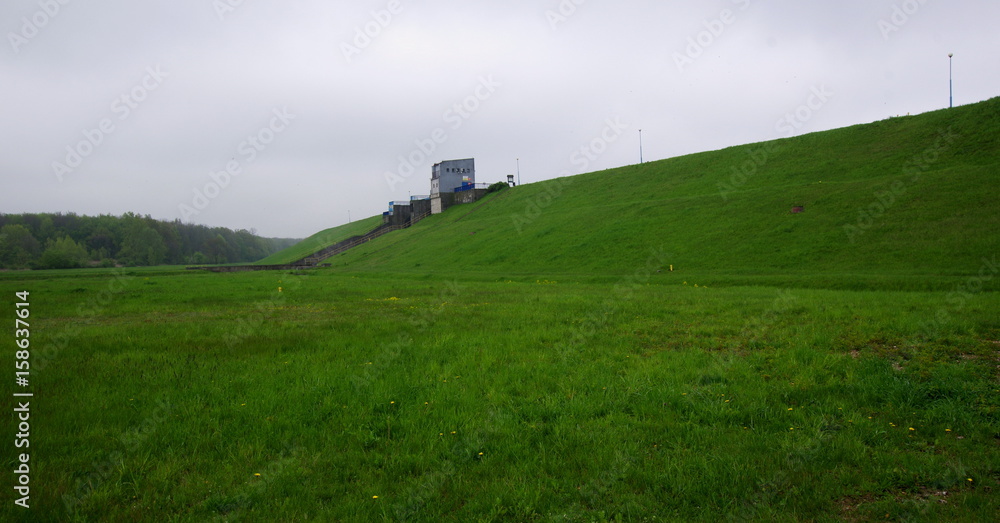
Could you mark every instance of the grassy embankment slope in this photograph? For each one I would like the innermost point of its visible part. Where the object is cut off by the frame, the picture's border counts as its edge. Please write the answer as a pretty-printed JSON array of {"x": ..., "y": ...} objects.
[
  {"x": 478, "y": 368},
  {"x": 894, "y": 203},
  {"x": 321, "y": 240}
]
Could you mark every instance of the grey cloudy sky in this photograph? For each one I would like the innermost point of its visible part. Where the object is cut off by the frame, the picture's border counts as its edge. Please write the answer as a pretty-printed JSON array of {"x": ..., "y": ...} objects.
[{"x": 320, "y": 108}]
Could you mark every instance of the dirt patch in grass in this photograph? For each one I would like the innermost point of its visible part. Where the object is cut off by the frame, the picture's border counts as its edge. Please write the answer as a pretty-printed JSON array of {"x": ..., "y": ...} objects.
[
  {"x": 851, "y": 507},
  {"x": 848, "y": 507}
]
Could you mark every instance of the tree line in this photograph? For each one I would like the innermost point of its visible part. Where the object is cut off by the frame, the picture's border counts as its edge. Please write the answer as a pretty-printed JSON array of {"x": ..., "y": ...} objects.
[{"x": 66, "y": 241}]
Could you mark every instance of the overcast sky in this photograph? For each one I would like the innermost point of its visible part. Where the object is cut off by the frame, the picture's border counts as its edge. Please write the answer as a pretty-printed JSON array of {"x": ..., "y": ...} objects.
[{"x": 318, "y": 109}]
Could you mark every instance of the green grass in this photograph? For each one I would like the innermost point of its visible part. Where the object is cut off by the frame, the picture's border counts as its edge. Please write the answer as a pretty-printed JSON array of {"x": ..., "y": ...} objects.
[
  {"x": 321, "y": 240},
  {"x": 501, "y": 362},
  {"x": 941, "y": 222},
  {"x": 587, "y": 401}
]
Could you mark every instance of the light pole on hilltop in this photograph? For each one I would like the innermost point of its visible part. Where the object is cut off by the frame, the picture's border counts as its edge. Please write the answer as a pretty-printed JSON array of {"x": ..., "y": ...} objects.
[
  {"x": 640, "y": 146},
  {"x": 518, "y": 172},
  {"x": 951, "y": 90}
]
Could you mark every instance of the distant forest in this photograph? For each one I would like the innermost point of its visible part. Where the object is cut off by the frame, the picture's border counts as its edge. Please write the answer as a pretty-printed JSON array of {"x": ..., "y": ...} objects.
[{"x": 66, "y": 241}]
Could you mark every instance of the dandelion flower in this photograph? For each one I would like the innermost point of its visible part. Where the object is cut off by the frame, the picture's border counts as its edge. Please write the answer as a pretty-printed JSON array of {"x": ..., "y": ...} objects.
[
  {"x": 257, "y": 474},
  {"x": 374, "y": 497}
]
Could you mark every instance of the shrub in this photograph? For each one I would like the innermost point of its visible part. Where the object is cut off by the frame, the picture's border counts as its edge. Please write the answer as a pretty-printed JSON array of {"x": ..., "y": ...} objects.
[{"x": 496, "y": 187}]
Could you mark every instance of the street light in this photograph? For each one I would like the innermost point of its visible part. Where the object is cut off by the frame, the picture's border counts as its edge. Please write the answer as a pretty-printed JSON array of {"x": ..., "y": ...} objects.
[
  {"x": 951, "y": 90},
  {"x": 640, "y": 146},
  {"x": 518, "y": 172}
]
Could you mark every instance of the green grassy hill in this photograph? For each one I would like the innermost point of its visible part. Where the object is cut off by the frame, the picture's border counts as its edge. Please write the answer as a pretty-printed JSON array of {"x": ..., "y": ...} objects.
[
  {"x": 507, "y": 361},
  {"x": 900, "y": 199},
  {"x": 321, "y": 240}
]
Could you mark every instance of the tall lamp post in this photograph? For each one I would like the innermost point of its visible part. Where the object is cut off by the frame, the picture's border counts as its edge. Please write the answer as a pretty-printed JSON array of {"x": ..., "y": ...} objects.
[
  {"x": 640, "y": 146},
  {"x": 951, "y": 90},
  {"x": 518, "y": 172}
]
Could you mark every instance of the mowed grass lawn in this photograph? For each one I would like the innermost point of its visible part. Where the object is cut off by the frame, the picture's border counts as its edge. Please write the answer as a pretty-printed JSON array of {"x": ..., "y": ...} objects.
[{"x": 172, "y": 396}]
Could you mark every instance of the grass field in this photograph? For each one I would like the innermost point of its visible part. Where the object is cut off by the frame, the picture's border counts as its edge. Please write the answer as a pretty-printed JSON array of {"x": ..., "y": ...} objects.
[
  {"x": 163, "y": 395},
  {"x": 533, "y": 357}
]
